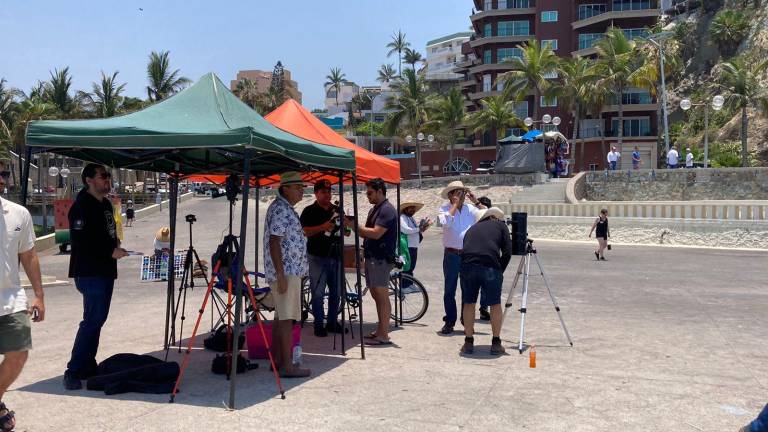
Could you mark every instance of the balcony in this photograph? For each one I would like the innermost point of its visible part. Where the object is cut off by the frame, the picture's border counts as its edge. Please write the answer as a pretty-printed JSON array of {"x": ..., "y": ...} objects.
[
  {"x": 632, "y": 107},
  {"x": 615, "y": 15},
  {"x": 468, "y": 83},
  {"x": 499, "y": 40},
  {"x": 490, "y": 67},
  {"x": 483, "y": 94},
  {"x": 584, "y": 52},
  {"x": 479, "y": 15}
]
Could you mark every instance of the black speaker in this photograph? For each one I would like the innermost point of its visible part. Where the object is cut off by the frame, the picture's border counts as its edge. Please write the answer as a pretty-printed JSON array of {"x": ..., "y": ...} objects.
[{"x": 519, "y": 223}]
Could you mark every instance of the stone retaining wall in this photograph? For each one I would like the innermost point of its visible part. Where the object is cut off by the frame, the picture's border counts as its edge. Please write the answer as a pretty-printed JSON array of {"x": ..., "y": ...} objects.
[{"x": 677, "y": 185}]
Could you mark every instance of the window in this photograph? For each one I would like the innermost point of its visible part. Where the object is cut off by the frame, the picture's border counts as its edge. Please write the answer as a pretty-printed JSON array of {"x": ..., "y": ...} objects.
[
  {"x": 548, "y": 128},
  {"x": 488, "y": 30},
  {"x": 502, "y": 4},
  {"x": 487, "y": 82},
  {"x": 521, "y": 109},
  {"x": 635, "y": 33},
  {"x": 551, "y": 74},
  {"x": 499, "y": 85},
  {"x": 590, "y": 10},
  {"x": 507, "y": 53},
  {"x": 548, "y": 102},
  {"x": 552, "y": 43},
  {"x": 514, "y": 28},
  {"x": 632, "y": 127},
  {"x": 588, "y": 40},
  {"x": 626, "y": 5},
  {"x": 549, "y": 16},
  {"x": 633, "y": 97},
  {"x": 487, "y": 5},
  {"x": 487, "y": 57},
  {"x": 518, "y": 4},
  {"x": 458, "y": 164}
]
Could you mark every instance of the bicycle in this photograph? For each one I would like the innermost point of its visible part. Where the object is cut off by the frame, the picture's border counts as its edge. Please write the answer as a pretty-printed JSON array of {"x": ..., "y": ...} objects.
[{"x": 413, "y": 295}]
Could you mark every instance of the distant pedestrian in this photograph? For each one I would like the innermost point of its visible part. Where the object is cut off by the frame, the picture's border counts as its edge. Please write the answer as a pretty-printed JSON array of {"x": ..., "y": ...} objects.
[
  {"x": 636, "y": 160},
  {"x": 672, "y": 158},
  {"x": 414, "y": 231},
  {"x": 130, "y": 213},
  {"x": 613, "y": 158},
  {"x": 688, "y": 158},
  {"x": 600, "y": 227}
]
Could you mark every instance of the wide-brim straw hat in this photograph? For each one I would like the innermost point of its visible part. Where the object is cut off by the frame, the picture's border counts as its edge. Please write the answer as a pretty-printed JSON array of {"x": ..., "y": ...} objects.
[
  {"x": 405, "y": 205},
  {"x": 291, "y": 178},
  {"x": 493, "y": 211},
  {"x": 163, "y": 235},
  {"x": 452, "y": 186}
]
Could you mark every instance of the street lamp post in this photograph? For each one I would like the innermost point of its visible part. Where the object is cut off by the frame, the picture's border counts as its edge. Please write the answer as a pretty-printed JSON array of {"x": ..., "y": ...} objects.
[
  {"x": 658, "y": 39},
  {"x": 419, "y": 140},
  {"x": 717, "y": 104},
  {"x": 545, "y": 119}
]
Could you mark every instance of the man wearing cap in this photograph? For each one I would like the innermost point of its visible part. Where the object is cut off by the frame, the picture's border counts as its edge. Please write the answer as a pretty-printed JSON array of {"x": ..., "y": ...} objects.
[
  {"x": 319, "y": 221},
  {"x": 413, "y": 231},
  {"x": 285, "y": 264},
  {"x": 456, "y": 217},
  {"x": 486, "y": 254}
]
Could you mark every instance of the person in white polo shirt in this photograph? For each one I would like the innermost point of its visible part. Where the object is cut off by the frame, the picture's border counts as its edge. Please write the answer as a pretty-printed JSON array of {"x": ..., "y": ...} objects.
[
  {"x": 672, "y": 158},
  {"x": 688, "y": 158},
  {"x": 613, "y": 158},
  {"x": 17, "y": 244}
]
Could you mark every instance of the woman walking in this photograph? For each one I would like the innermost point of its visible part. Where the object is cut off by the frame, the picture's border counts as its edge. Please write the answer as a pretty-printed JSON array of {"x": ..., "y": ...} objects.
[{"x": 600, "y": 227}]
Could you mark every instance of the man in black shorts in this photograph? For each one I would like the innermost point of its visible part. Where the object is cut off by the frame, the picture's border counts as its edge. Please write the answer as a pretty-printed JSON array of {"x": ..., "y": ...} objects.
[
  {"x": 380, "y": 234},
  {"x": 486, "y": 253}
]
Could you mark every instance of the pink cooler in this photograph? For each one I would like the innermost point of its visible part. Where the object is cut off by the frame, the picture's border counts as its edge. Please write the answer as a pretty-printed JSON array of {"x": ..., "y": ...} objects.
[{"x": 255, "y": 342}]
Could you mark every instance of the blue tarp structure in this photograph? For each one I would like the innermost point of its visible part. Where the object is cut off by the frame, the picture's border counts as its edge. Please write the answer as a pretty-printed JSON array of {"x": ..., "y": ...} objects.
[{"x": 531, "y": 135}]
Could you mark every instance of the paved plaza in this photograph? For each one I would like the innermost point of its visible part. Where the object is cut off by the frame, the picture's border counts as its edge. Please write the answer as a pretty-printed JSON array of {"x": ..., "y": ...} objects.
[{"x": 666, "y": 339}]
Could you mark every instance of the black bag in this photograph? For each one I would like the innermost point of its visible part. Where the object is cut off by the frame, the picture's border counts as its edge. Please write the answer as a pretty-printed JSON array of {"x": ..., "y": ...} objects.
[
  {"x": 218, "y": 340},
  {"x": 219, "y": 365}
]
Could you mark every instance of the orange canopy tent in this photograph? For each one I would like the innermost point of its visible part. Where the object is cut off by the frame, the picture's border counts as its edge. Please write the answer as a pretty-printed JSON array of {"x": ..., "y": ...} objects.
[{"x": 295, "y": 119}]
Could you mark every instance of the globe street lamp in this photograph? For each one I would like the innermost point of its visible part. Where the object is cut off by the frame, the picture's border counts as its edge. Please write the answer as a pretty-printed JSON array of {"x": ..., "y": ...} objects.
[
  {"x": 717, "y": 104},
  {"x": 545, "y": 119},
  {"x": 420, "y": 139}
]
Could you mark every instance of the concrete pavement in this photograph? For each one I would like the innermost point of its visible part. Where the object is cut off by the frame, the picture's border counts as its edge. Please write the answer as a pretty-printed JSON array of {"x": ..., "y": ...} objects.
[{"x": 666, "y": 339}]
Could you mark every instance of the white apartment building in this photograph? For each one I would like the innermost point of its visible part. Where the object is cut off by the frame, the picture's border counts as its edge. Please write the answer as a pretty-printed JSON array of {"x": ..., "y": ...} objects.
[
  {"x": 442, "y": 55},
  {"x": 348, "y": 90}
]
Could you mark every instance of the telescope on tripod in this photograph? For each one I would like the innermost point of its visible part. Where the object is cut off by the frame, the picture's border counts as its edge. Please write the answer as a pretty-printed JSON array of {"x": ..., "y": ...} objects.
[{"x": 523, "y": 246}]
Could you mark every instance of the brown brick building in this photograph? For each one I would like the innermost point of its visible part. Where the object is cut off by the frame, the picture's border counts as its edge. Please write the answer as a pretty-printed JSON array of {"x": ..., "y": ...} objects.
[
  {"x": 263, "y": 79},
  {"x": 571, "y": 27}
]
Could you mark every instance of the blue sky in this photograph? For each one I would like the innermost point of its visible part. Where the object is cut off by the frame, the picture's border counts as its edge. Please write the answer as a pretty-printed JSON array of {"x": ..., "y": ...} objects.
[{"x": 225, "y": 36}]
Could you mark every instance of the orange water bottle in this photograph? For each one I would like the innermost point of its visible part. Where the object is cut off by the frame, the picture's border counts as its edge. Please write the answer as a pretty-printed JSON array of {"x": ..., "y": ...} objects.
[{"x": 532, "y": 357}]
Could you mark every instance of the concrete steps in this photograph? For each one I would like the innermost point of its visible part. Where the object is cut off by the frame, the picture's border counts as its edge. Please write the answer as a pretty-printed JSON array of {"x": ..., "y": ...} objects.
[{"x": 551, "y": 192}]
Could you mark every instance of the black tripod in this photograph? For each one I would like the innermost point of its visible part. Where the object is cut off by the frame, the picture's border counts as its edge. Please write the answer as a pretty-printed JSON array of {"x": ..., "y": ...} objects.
[
  {"x": 524, "y": 268},
  {"x": 191, "y": 260}
]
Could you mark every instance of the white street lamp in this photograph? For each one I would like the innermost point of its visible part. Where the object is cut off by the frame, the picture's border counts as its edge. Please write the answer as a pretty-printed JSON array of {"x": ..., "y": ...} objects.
[
  {"x": 53, "y": 171},
  {"x": 65, "y": 172},
  {"x": 420, "y": 136},
  {"x": 556, "y": 121},
  {"x": 717, "y": 104},
  {"x": 431, "y": 138},
  {"x": 408, "y": 139},
  {"x": 546, "y": 118},
  {"x": 528, "y": 122},
  {"x": 658, "y": 39}
]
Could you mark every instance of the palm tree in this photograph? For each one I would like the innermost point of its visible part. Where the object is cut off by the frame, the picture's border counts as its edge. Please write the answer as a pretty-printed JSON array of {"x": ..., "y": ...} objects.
[
  {"x": 576, "y": 75},
  {"x": 106, "y": 95},
  {"x": 386, "y": 73},
  {"x": 334, "y": 80},
  {"x": 410, "y": 105},
  {"x": 595, "y": 98},
  {"x": 272, "y": 98},
  {"x": 616, "y": 61},
  {"x": 8, "y": 104},
  {"x": 248, "y": 92},
  {"x": 498, "y": 113},
  {"x": 742, "y": 82},
  {"x": 449, "y": 113},
  {"x": 163, "y": 82},
  {"x": 56, "y": 91},
  {"x": 412, "y": 57},
  {"x": 398, "y": 45},
  {"x": 530, "y": 72},
  {"x": 728, "y": 29}
]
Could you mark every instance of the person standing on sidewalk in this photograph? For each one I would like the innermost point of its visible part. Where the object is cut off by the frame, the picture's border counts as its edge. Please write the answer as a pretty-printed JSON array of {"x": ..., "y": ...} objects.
[
  {"x": 613, "y": 158},
  {"x": 602, "y": 234},
  {"x": 414, "y": 232},
  {"x": 688, "y": 158},
  {"x": 636, "y": 160},
  {"x": 319, "y": 221},
  {"x": 17, "y": 245},
  {"x": 672, "y": 158},
  {"x": 456, "y": 217},
  {"x": 93, "y": 265},
  {"x": 484, "y": 258}
]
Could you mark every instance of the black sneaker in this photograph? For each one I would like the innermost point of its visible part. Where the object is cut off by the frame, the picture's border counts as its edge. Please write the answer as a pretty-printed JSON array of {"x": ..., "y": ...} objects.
[
  {"x": 447, "y": 328},
  {"x": 484, "y": 314},
  {"x": 469, "y": 346},
  {"x": 72, "y": 381},
  {"x": 321, "y": 332},
  {"x": 597, "y": 256}
]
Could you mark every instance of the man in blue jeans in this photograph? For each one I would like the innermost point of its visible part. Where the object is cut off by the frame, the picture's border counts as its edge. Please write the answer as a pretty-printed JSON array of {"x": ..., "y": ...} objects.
[
  {"x": 760, "y": 424},
  {"x": 93, "y": 265},
  {"x": 456, "y": 217},
  {"x": 486, "y": 253}
]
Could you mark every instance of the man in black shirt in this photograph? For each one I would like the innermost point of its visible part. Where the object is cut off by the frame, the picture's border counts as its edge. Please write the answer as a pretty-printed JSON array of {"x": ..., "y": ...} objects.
[
  {"x": 319, "y": 222},
  {"x": 486, "y": 253},
  {"x": 93, "y": 265},
  {"x": 380, "y": 234}
]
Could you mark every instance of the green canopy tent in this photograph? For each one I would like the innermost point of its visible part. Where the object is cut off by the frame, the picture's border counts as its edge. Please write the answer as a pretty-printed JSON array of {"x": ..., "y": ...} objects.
[{"x": 202, "y": 129}]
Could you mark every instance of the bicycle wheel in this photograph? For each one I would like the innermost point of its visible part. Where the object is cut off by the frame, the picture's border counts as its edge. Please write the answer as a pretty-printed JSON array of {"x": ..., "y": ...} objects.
[{"x": 414, "y": 297}]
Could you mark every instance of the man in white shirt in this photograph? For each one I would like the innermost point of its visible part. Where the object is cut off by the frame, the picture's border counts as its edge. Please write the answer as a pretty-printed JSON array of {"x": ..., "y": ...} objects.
[
  {"x": 613, "y": 158},
  {"x": 672, "y": 158},
  {"x": 456, "y": 217},
  {"x": 688, "y": 158},
  {"x": 17, "y": 244},
  {"x": 413, "y": 230}
]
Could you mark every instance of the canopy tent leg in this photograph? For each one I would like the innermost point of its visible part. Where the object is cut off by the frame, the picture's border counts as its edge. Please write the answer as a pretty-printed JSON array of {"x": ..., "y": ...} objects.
[
  {"x": 398, "y": 297},
  {"x": 25, "y": 176},
  {"x": 170, "y": 327},
  {"x": 357, "y": 267},
  {"x": 256, "y": 233},
  {"x": 341, "y": 279},
  {"x": 239, "y": 280}
]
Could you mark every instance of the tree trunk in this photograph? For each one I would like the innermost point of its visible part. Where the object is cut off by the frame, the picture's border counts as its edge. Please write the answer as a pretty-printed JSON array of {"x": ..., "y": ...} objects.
[
  {"x": 499, "y": 136},
  {"x": 744, "y": 156},
  {"x": 399, "y": 63},
  {"x": 621, "y": 116},
  {"x": 536, "y": 100},
  {"x": 450, "y": 152}
]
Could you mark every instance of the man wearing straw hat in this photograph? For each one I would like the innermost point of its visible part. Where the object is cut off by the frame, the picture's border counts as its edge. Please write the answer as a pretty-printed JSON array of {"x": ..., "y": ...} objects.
[
  {"x": 162, "y": 240},
  {"x": 486, "y": 254},
  {"x": 456, "y": 217},
  {"x": 413, "y": 230},
  {"x": 285, "y": 264}
]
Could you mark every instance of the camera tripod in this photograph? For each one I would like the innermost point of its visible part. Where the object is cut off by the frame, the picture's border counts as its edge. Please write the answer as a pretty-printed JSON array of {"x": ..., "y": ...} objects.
[{"x": 524, "y": 269}]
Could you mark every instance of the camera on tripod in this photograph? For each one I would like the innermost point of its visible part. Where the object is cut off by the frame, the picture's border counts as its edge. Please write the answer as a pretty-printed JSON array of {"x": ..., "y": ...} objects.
[
  {"x": 232, "y": 187},
  {"x": 518, "y": 223},
  {"x": 190, "y": 218}
]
